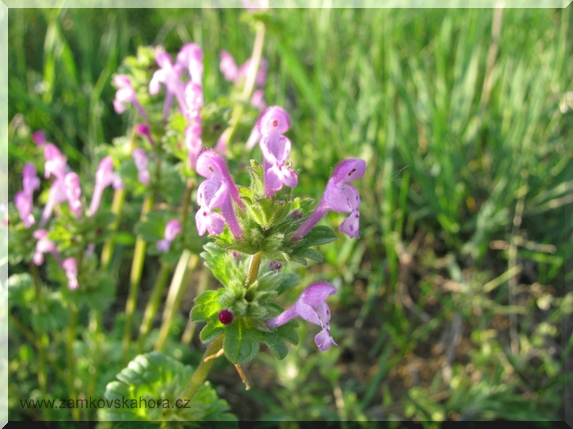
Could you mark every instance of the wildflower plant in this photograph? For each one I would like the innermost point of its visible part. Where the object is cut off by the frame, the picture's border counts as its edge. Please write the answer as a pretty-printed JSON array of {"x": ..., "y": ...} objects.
[{"x": 179, "y": 164}]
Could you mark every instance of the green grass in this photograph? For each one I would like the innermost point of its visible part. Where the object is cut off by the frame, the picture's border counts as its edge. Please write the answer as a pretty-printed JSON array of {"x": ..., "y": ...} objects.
[{"x": 464, "y": 184}]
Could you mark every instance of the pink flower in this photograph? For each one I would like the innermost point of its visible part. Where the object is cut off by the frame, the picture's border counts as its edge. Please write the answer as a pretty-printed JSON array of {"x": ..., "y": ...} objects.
[
  {"x": 71, "y": 268},
  {"x": 190, "y": 57},
  {"x": 140, "y": 158},
  {"x": 172, "y": 229},
  {"x": 340, "y": 197},
  {"x": 126, "y": 94},
  {"x": 30, "y": 180},
  {"x": 44, "y": 245},
  {"x": 24, "y": 205},
  {"x": 193, "y": 142},
  {"x": 73, "y": 193},
  {"x": 143, "y": 130},
  {"x": 57, "y": 195},
  {"x": 104, "y": 177},
  {"x": 170, "y": 76},
  {"x": 39, "y": 137},
  {"x": 56, "y": 164},
  {"x": 218, "y": 191},
  {"x": 258, "y": 100},
  {"x": 194, "y": 101},
  {"x": 228, "y": 66},
  {"x": 312, "y": 307}
]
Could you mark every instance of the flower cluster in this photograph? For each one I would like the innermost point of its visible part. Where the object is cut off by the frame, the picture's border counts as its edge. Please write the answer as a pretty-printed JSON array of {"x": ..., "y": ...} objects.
[
  {"x": 237, "y": 75},
  {"x": 221, "y": 202}
]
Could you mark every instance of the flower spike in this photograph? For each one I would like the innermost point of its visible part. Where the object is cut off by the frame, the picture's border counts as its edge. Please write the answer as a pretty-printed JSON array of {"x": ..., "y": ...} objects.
[
  {"x": 312, "y": 307},
  {"x": 126, "y": 94}
]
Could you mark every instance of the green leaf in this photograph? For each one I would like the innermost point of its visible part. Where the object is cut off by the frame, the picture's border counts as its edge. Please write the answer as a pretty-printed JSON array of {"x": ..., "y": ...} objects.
[
  {"x": 155, "y": 376},
  {"x": 241, "y": 342},
  {"x": 207, "y": 305},
  {"x": 20, "y": 287},
  {"x": 318, "y": 235},
  {"x": 211, "y": 331}
]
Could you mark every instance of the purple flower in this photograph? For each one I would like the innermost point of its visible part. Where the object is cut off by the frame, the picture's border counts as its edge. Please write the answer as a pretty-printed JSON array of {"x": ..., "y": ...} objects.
[
  {"x": 39, "y": 137},
  {"x": 191, "y": 57},
  {"x": 228, "y": 66},
  {"x": 218, "y": 191},
  {"x": 71, "y": 268},
  {"x": 193, "y": 142},
  {"x": 56, "y": 164},
  {"x": 140, "y": 158},
  {"x": 30, "y": 180},
  {"x": 258, "y": 100},
  {"x": 103, "y": 178},
  {"x": 126, "y": 94},
  {"x": 272, "y": 124},
  {"x": 44, "y": 245},
  {"x": 143, "y": 130},
  {"x": 172, "y": 228},
  {"x": 194, "y": 101},
  {"x": 340, "y": 197},
  {"x": 170, "y": 76},
  {"x": 57, "y": 195},
  {"x": 73, "y": 193},
  {"x": 24, "y": 205},
  {"x": 312, "y": 307}
]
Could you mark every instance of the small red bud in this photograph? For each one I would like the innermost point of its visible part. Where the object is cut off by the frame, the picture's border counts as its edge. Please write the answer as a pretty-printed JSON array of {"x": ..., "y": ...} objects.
[{"x": 226, "y": 317}]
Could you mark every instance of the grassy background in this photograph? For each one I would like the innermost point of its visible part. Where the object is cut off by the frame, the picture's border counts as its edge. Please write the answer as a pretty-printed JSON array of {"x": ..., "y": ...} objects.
[{"x": 456, "y": 302}]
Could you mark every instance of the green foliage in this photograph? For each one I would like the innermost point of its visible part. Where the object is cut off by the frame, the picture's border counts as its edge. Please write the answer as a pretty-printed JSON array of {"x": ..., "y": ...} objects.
[{"x": 151, "y": 386}]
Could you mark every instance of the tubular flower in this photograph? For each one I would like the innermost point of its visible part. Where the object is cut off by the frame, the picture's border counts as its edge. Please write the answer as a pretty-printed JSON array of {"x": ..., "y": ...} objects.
[
  {"x": 56, "y": 164},
  {"x": 191, "y": 57},
  {"x": 73, "y": 193},
  {"x": 140, "y": 158},
  {"x": 194, "y": 101},
  {"x": 312, "y": 307},
  {"x": 193, "y": 142},
  {"x": 217, "y": 191},
  {"x": 172, "y": 228},
  {"x": 258, "y": 100},
  {"x": 170, "y": 76},
  {"x": 30, "y": 181},
  {"x": 71, "y": 268},
  {"x": 44, "y": 246},
  {"x": 340, "y": 197},
  {"x": 24, "y": 205},
  {"x": 103, "y": 178},
  {"x": 126, "y": 94},
  {"x": 272, "y": 124},
  {"x": 57, "y": 195}
]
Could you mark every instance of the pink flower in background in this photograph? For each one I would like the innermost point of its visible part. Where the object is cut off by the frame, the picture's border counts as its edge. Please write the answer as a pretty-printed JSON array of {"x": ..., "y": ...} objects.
[
  {"x": 56, "y": 164},
  {"x": 340, "y": 197},
  {"x": 140, "y": 158},
  {"x": 190, "y": 57},
  {"x": 71, "y": 268},
  {"x": 104, "y": 177},
  {"x": 30, "y": 180},
  {"x": 170, "y": 76},
  {"x": 126, "y": 95},
  {"x": 193, "y": 142},
  {"x": 39, "y": 137},
  {"x": 57, "y": 195},
  {"x": 172, "y": 229},
  {"x": 73, "y": 193},
  {"x": 194, "y": 101},
  {"x": 258, "y": 100},
  {"x": 44, "y": 245},
  {"x": 24, "y": 204},
  {"x": 228, "y": 66},
  {"x": 312, "y": 307}
]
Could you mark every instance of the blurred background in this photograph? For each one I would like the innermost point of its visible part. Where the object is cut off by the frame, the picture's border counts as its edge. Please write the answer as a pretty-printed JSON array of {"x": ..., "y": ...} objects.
[{"x": 457, "y": 301}]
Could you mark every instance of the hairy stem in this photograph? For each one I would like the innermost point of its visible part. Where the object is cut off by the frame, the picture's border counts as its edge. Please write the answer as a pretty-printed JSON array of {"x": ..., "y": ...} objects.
[
  {"x": 203, "y": 369},
  {"x": 254, "y": 268}
]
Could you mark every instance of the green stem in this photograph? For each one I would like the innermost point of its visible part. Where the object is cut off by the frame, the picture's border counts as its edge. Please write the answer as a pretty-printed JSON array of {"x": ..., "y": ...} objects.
[
  {"x": 71, "y": 357},
  {"x": 186, "y": 203},
  {"x": 136, "y": 270},
  {"x": 254, "y": 268},
  {"x": 203, "y": 369},
  {"x": 116, "y": 209},
  {"x": 187, "y": 263},
  {"x": 153, "y": 304},
  {"x": 204, "y": 277}
]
